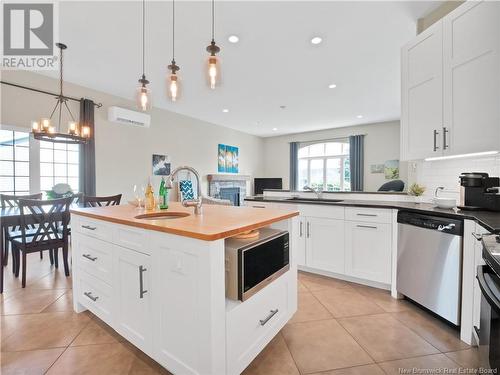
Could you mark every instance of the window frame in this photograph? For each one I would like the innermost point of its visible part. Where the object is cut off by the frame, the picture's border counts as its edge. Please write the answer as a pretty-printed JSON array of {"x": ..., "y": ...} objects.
[{"x": 325, "y": 158}]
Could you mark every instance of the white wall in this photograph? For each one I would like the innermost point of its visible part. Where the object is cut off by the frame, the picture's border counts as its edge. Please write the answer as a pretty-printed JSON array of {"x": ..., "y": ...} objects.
[
  {"x": 123, "y": 153},
  {"x": 381, "y": 144}
]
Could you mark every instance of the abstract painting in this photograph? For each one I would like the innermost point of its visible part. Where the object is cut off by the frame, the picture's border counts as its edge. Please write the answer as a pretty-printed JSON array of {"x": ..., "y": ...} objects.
[{"x": 227, "y": 159}]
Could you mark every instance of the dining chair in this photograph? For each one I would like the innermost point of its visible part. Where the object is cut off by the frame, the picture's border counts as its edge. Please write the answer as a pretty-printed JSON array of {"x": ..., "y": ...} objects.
[
  {"x": 112, "y": 200},
  {"x": 12, "y": 201},
  {"x": 48, "y": 215}
]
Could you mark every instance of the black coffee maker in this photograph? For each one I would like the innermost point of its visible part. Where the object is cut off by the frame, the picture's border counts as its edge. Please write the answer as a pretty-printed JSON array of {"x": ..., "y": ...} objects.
[{"x": 479, "y": 191}]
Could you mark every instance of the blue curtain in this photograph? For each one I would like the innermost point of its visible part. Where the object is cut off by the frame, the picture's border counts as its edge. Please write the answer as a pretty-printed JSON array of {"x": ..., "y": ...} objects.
[
  {"x": 356, "y": 160},
  {"x": 294, "y": 150}
]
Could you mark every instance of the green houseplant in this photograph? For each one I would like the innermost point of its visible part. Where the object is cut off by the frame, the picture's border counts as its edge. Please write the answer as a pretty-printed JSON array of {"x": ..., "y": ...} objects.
[{"x": 417, "y": 191}]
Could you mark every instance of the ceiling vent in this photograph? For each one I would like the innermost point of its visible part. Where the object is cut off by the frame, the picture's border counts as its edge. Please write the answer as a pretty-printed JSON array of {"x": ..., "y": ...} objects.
[{"x": 126, "y": 116}]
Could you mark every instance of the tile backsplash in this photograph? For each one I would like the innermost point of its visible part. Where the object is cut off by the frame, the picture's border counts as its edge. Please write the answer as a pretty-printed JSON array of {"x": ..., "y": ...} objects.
[{"x": 445, "y": 173}]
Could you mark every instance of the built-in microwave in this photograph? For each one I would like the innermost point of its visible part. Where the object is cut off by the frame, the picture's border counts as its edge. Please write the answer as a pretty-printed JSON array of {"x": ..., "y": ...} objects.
[{"x": 252, "y": 264}]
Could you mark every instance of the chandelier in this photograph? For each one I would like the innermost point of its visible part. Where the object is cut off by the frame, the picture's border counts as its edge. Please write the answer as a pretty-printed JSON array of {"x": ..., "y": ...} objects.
[{"x": 43, "y": 129}]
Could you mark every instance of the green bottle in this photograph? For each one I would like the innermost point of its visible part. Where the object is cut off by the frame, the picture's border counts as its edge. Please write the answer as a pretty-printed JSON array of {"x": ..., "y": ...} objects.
[{"x": 163, "y": 195}]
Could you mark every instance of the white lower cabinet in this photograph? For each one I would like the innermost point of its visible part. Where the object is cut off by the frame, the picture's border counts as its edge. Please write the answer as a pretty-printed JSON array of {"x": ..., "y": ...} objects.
[
  {"x": 132, "y": 284},
  {"x": 325, "y": 244},
  {"x": 368, "y": 251}
]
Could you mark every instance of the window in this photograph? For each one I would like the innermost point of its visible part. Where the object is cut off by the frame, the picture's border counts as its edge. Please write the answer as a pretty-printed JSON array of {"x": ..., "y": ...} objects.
[
  {"x": 58, "y": 164},
  {"x": 324, "y": 166},
  {"x": 14, "y": 162}
]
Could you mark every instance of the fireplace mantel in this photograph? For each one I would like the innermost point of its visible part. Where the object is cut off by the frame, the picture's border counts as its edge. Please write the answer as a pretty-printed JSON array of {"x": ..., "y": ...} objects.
[{"x": 227, "y": 177}]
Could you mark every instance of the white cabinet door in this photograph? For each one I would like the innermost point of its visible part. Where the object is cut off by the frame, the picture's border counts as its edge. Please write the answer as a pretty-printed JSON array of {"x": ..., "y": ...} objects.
[
  {"x": 132, "y": 272},
  {"x": 472, "y": 77},
  {"x": 422, "y": 95},
  {"x": 325, "y": 244},
  {"x": 301, "y": 245},
  {"x": 368, "y": 251}
]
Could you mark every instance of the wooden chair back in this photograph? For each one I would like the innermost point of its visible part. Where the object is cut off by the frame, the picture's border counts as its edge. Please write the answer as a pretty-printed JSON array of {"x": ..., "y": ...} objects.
[
  {"x": 48, "y": 216},
  {"x": 112, "y": 200},
  {"x": 7, "y": 200}
]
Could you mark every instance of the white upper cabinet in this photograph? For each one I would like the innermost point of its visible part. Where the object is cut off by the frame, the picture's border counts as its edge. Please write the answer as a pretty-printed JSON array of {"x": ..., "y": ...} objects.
[
  {"x": 422, "y": 94},
  {"x": 472, "y": 77},
  {"x": 451, "y": 85}
]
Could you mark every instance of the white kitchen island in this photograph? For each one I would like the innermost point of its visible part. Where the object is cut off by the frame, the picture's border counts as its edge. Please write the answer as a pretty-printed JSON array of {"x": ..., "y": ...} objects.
[{"x": 161, "y": 284}]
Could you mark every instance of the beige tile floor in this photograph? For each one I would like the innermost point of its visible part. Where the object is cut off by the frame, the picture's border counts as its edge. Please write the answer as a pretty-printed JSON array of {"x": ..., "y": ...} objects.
[{"x": 340, "y": 328}]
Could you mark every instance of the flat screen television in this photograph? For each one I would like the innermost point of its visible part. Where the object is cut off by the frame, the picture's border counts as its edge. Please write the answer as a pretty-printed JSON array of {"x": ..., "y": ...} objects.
[{"x": 266, "y": 183}]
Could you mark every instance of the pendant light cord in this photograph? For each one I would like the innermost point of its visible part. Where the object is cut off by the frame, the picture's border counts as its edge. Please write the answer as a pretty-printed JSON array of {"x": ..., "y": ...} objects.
[
  {"x": 213, "y": 20},
  {"x": 173, "y": 31},
  {"x": 143, "y": 35}
]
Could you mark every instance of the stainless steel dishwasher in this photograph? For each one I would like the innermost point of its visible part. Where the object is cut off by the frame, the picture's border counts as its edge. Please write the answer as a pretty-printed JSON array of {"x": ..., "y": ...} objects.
[{"x": 429, "y": 267}]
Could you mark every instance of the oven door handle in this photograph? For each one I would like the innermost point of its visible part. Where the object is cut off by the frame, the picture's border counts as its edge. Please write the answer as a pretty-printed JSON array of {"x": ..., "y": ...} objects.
[{"x": 485, "y": 288}]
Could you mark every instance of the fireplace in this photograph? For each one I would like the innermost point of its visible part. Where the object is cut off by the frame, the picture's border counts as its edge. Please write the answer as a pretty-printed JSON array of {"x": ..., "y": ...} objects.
[
  {"x": 228, "y": 186},
  {"x": 231, "y": 193}
]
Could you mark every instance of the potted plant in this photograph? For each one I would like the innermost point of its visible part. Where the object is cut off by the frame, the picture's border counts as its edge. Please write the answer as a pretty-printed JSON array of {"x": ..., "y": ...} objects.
[{"x": 417, "y": 191}]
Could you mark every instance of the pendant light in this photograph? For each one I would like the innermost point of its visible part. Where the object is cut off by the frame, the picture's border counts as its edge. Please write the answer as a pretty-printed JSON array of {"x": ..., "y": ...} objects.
[
  {"x": 143, "y": 94},
  {"x": 213, "y": 73},
  {"x": 173, "y": 89},
  {"x": 43, "y": 129}
]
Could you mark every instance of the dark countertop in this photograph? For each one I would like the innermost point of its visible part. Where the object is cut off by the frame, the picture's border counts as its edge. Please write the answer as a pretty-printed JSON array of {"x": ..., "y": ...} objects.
[{"x": 488, "y": 219}]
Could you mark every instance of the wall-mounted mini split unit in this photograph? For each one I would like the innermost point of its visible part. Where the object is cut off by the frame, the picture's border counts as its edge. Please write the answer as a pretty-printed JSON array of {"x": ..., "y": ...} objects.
[{"x": 129, "y": 117}]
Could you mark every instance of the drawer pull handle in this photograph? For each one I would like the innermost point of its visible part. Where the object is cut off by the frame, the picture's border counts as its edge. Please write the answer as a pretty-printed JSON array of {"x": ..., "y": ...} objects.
[
  {"x": 88, "y": 227},
  {"x": 271, "y": 314},
  {"x": 367, "y": 215},
  {"x": 301, "y": 224},
  {"x": 308, "y": 230},
  {"x": 89, "y": 295},
  {"x": 259, "y": 206},
  {"x": 89, "y": 257},
  {"x": 477, "y": 236},
  {"x": 366, "y": 226},
  {"x": 142, "y": 292}
]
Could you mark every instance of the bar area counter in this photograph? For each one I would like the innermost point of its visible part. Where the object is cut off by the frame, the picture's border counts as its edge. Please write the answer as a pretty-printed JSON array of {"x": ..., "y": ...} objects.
[{"x": 158, "y": 278}]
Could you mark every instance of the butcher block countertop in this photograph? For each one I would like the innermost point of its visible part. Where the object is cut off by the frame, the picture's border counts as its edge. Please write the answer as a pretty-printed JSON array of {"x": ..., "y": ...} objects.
[{"x": 215, "y": 223}]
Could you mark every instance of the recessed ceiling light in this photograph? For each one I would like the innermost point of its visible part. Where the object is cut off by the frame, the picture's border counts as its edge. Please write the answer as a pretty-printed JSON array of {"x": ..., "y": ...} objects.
[
  {"x": 359, "y": 116},
  {"x": 316, "y": 40},
  {"x": 233, "y": 39},
  {"x": 332, "y": 86},
  {"x": 274, "y": 129},
  {"x": 282, "y": 106},
  {"x": 225, "y": 110}
]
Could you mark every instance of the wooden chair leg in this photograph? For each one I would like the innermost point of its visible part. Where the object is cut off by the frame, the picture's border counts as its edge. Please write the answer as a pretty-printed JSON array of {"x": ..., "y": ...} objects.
[
  {"x": 41, "y": 254},
  {"x": 65, "y": 259},
  {"x": 14, "y": 260},
  {"x": 23, "y": 280},
  {"x": 56, "y": 257},
  {"x": 6, "y": 245},
  {"x": 51, "y": 256}
]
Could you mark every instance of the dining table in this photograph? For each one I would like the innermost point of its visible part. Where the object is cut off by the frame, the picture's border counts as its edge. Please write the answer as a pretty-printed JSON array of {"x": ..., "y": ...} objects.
[{"x": 9, "y": 217}]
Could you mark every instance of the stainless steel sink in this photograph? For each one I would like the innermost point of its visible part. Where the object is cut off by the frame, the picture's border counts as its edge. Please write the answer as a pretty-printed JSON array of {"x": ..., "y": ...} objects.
[
  {"x": 326, "y": 200},
  {"x": 167, "y": 215}
]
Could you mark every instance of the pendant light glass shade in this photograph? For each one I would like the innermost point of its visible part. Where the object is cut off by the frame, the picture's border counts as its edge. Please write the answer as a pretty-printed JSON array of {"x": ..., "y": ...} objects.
[
  {"x": 174, "y": 87},
  {"x": 144, "y": 98},
  {"x": 213, "y": 72}
]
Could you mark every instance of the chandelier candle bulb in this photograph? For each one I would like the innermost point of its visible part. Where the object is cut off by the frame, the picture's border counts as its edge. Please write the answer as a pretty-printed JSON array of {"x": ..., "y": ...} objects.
[
  {"x": 86, "y": 132},
  {"x": 45, "y": 124},
  {"x": 72, "y": 127},
  {"x": 35, "y": 126}
]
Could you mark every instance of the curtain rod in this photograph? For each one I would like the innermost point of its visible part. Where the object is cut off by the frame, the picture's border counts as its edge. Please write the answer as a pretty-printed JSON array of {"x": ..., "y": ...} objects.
[
  {"x": 98, "y": 105},
  {"x": 327, "y": 139}
]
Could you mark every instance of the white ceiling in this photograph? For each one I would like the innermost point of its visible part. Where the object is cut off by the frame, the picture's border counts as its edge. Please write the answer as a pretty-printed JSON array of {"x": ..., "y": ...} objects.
[{"x": 274, "y": 63}]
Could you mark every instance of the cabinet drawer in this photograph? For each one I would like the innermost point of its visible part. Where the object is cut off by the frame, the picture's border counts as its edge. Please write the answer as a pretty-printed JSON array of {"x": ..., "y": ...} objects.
[
  {"x": 95, "y": 228},
  {"x": 131, "y": 238},
  {"x": 317, "y": 210},
  {"x": 95, "y": 256},
  {"x": 254, "y": 322},
  {"x": 372, "y": 215},
  {"x": 95, "y": 295}
]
